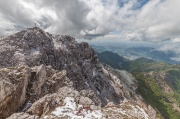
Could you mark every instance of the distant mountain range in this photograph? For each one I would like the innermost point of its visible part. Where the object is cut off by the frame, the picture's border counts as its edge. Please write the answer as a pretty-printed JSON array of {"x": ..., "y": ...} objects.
[
  {"x": 138, "y": 52},
  {"x": 112, "y": 59},
  {"x": 159, "y": 82}
]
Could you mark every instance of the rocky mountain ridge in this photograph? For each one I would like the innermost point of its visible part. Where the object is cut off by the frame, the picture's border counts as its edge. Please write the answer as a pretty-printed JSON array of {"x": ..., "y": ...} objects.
[{"x": 52, "y": 76}]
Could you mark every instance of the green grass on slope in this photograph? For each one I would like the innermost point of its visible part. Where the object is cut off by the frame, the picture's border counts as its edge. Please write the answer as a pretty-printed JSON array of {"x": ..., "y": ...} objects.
[
  {"x": 112, "y": 59},
  {"x": 153, "y": 94},
  {"x": 147, "y": 65},
  {"x": 144, "y": 65},
  {"x": 175, "y": 73},
  {"x": 148, "y": 87}
]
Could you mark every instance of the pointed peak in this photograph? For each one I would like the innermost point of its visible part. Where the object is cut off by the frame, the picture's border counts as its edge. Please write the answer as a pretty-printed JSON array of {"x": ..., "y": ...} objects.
[{"x": 35, "y": 28}]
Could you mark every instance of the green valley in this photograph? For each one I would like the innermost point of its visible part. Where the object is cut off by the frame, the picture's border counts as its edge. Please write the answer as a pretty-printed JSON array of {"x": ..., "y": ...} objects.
[{"x": 158, "y": 82}]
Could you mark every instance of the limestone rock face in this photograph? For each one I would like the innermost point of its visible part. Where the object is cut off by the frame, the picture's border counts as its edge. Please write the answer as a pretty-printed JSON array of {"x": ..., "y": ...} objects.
[
  {"x": 13, "y": 86},
  {"x": 50, "y": 72},
  {"x": 23, "y": 116},
  {"x": 36, "y": 81}
]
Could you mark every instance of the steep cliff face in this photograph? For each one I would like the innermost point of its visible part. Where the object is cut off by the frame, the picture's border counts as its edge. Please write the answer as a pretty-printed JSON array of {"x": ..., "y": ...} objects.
[
  {"x": 13, "y": 83},
  {"x": 156, "y": 90},
  {"x": 56, "y": 70}
]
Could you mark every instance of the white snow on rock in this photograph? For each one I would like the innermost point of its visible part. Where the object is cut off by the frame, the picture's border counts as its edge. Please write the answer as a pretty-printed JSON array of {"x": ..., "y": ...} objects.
[
  {"x": 94, "y": 74},
  {"x": 75, "y": 111},
  {"x": 59, "y": 45},
  {"x": 87, "y": 84}
]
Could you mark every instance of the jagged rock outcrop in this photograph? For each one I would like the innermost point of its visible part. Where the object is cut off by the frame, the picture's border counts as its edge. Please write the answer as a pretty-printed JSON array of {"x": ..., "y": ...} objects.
[
  {"x": 13, "y": 85},
  {"x": 58, "y": 70},
  {"x": 21, "y": 86}
]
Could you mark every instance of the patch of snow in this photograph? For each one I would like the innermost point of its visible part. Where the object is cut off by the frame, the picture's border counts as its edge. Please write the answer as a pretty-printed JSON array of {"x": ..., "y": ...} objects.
[
  {"x": 71, "y": 110},
  {"x": 98, "y": 92},
  {"x": 87, "y": 84},
  {"x": 94, "y": 73},
  {"x": 59, "y": 45},
  {"x": 70, "y": 103}
]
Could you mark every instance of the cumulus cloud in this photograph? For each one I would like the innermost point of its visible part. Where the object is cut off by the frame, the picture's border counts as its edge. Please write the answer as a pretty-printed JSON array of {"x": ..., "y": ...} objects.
[
  {"x": 171, "y": 46},
  {"x": 154, "y": 20}
]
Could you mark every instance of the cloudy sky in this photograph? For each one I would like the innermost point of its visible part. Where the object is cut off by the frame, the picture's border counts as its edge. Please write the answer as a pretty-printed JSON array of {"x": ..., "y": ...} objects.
[{"x": 127, "y": 20}]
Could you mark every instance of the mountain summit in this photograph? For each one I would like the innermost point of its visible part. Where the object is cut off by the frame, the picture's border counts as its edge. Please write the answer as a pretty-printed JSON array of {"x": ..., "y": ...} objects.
[{"x": 52, "y": 76}]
